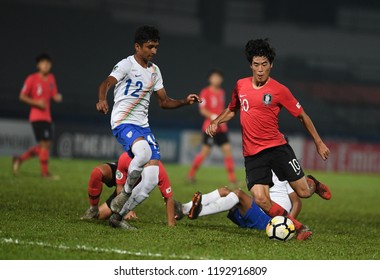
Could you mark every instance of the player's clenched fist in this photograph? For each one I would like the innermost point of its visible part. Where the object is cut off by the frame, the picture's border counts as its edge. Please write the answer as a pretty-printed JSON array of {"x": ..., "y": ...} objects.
[
  {"x": 102, "y": 106},
  {"x": 191, "y": 98},
  {"x": 211, "y": 129}
]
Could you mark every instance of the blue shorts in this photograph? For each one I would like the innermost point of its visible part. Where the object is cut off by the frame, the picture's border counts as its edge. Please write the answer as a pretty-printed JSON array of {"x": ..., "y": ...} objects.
[
  {"x": 126, "y": 134},
  {"x": 254, "y": 218}
]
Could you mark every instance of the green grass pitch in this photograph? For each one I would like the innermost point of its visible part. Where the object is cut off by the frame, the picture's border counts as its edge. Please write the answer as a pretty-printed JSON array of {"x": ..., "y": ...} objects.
[{"x": 40, "y": 220}]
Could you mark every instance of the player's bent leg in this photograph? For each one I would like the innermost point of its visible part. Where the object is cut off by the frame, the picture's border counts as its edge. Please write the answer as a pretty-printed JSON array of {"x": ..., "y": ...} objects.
[
  {"x": 196, "y": 207},
  {"x": 321, "y": 189},
  {"x": 262, "y": 199},
  {"x": 143, "y": 189},
  {"x": 222, "y": 204},
  {"x": 245, "y": 201},
  {"x": 302, "y": 188},
  {"x": 142, "y": 154}
]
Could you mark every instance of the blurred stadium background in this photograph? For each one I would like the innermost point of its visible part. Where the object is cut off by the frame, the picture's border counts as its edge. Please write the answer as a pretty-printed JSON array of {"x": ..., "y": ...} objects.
[{"x": 327, "y": 54}]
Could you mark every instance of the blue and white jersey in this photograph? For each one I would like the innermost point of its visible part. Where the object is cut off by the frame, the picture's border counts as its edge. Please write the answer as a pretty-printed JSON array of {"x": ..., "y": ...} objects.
[{"x": 135, "y": 85}]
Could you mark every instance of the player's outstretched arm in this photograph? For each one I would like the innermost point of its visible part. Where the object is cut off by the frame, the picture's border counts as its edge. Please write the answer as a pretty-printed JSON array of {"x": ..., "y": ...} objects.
[
  {"x": 296, "y": 205},
  {"x": 225, "y": 116},
  {"x": 102, "y": 105},
  {"x": 322, "y": 149},
  {"x": 170, "y": 211},
  {"x": 168, "y": 103}
]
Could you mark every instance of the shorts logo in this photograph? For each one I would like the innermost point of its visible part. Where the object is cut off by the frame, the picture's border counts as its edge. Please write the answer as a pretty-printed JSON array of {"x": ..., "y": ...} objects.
[
  {"x": 129, "y": 134},
  {"x": 115, "y": 68},
  {"x": 298, "y": 105},
  {"x": 168, "y": 190},
  {"x": 267, "y": 99},
  {"x": 119, "y": 175}
]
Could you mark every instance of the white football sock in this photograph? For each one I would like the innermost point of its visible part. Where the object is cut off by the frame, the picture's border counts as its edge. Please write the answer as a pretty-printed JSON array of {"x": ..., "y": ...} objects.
[
  {"x": 142, "y": 154},
  {"x": 186, "y": 207},
  {"x": 221, "y": 205},
  {"x": 210, "y": 197},
  {"x": 206, "y": 199},
  {"x": 149, "y": 179}
]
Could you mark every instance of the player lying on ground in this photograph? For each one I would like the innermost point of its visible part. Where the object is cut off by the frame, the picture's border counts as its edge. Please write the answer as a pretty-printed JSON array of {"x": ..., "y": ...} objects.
[
  {"x": 115, "y": 174},
  {"x": 242, "y": 208},
  {"x": 39, "y": 88},
  {"x": 259, "y": 99},
  {"x": 136, "y": 79}
]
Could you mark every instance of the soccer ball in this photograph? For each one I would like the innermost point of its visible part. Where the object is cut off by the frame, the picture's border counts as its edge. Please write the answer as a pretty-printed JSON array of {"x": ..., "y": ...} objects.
[{"x": 280, "y": 228}]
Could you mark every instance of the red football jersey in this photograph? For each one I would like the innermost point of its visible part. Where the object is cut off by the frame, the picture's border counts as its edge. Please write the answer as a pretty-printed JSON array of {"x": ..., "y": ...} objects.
[
  {"x": 37, "y": 87},
  {"x": 163, "y": 178},
  {"x": 214, "y": 103},
  {"x": 259, "y": 109}
]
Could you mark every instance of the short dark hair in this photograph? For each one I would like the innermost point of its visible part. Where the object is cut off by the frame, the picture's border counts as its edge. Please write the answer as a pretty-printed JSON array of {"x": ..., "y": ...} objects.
[
  {"x": 215, "y": 71},
  {"x": 43, "y": 56},
  {"x": 259, "y": 47},
  {"x": 146, "y": 33}
]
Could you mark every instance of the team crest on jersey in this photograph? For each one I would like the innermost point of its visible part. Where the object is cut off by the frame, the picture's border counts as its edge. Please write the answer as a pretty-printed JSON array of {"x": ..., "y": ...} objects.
[
  {"x": 119, "y": 175},
  {"x": 267, "y": 98}
]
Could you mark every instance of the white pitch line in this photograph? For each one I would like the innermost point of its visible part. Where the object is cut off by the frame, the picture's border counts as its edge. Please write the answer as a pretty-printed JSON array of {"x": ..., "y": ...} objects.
[{"x": 90, "y": 249}]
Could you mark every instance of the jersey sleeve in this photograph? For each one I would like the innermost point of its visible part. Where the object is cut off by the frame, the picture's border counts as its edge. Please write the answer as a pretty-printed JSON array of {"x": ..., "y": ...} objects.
[
  {"x": 164, "y": 182},
  {"x": 27, "y": 87},
  {"x": 290, "y": 103},
  {"x": 121, "y": 69},
  {"x": 158, "y": 83},
  {"x": 235, "y": 101}
]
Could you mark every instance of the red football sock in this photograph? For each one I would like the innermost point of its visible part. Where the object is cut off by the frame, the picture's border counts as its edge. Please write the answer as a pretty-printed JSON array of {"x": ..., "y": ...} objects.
[
  {"x": 196, "y": 163},
  {"x": 44, "y": 161},
  {"x": 32, "y": 152},
  {"x": 95, "y": 186},
  {"x": 230, "y": 167},
  {"x": 277, "y": 210}
]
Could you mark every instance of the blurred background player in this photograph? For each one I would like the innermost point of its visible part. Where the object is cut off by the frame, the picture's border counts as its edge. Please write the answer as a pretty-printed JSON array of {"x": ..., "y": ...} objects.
[
  {"x": 260, "y": 98},
  {"x": 37, "y": 91},
  {"x": 115, "y": 174},
  {"x": 135, "y": 79},
  {"x": 242, "y": 208},
  {"x": 213, "y": 97}
]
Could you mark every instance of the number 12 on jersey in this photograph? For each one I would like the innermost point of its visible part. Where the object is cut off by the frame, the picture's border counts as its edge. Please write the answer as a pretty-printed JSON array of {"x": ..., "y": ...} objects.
[{"x": 138, "y": 84}]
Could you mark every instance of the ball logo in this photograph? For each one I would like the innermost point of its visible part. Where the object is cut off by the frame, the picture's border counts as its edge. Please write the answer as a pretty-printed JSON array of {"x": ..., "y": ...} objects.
[
  {"x": 267, "y": 99},
  {"x": 119, "y": 175}
]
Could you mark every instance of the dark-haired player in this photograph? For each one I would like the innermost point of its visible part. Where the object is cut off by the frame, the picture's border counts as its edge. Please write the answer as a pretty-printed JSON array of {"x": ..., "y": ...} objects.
[
  {"x": 37, "y": 91},
  {"x": 259, "y": 99},
  {"x": 115, "y": 174},
  {"x": 135, "y": 79},
  {"x": 213, "y": 102}
]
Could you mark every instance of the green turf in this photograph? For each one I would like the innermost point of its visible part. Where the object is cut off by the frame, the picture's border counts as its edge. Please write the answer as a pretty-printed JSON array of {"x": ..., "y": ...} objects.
[{"x": 43, "y": 217}]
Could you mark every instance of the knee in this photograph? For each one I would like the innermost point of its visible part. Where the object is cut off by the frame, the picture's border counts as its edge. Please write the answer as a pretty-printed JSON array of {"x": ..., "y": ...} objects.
[
  {"x": 260, "y": 199},
  {"x": 142, "y": 152},
  {"x": 239, "y": 193}
]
